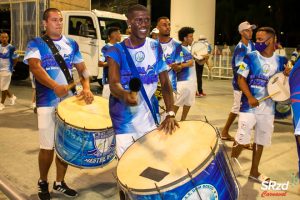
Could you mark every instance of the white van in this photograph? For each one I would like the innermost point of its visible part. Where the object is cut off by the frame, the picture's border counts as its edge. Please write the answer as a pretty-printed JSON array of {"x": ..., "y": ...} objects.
[{"x": 88, "y": 29}]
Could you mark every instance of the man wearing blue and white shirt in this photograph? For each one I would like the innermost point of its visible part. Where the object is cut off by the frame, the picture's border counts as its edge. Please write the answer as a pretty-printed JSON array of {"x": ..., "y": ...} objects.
[
  {"x": 253, "y": 76},
  {"x": 242, "y": 48},
  {"x": 51, "y": 85},
  {"x": 130, "y": 114},
  {"x": 8, "y": 58}
]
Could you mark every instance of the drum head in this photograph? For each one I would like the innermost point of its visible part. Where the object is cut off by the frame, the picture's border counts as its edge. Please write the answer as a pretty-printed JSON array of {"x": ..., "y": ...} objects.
[
  {"x": 279, "y": 84},
  {"x": 77, "y": 113},
  {"x": 164, "y": 159},
  {"x": 199, "y": 49}
]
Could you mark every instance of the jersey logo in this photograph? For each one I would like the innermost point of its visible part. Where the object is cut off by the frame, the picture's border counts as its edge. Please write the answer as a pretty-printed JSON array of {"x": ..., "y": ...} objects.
[{"x": 139, "y": 56}]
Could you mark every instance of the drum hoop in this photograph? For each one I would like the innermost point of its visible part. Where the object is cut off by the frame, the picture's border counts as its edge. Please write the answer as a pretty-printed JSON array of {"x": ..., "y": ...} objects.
[
  {"x": 167, "y": 186},
  {"x": 193, "y": 45},
  {"x": 80, "y": 128}
]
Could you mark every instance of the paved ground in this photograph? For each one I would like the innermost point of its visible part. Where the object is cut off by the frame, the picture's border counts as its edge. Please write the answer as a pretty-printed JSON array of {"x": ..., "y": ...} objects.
[{"x": 19, "y": 149}]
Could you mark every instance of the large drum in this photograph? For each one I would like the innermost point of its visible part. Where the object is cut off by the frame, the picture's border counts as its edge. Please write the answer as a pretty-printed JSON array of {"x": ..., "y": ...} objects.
[
  {"x": 190, "y": 164},
  {"x": 84, "y": 136},
  {"x": 278, "y": 86}
]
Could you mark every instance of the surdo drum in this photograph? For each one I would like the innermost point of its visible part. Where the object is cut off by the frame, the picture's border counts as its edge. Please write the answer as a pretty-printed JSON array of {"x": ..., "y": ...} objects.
[
  {"x": 279, "y": 89},
  {"x": 84, "y": 136},
  {"x": 189, "y": 164}
]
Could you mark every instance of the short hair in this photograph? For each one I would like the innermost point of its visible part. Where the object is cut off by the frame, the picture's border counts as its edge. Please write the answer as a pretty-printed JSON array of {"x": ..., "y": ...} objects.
[
  {"x": 136, "y": 7},
  {"x": 160, "y": 18},
  {"x": 110, "y": 30},
  {"x": 47, "y": 11},
  {"x": 298, "y": 47},
  {"x": 184, "y": 31},
  {"x": 268, "y": 30},
  {"x": 4, "y": 33}
]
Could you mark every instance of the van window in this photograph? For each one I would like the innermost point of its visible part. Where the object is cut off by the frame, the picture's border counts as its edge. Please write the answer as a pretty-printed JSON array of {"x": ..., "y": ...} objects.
[
  {"x": 105, "y": 23},
  {"x": 82, "y": 26}
]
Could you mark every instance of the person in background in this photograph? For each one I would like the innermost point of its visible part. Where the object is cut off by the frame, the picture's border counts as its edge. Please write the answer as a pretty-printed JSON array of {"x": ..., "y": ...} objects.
[
  {"x": 242, "y": 48},
  {"x": 8, "y": 59},
  {"x": 295, "y": 55},
  {"x": 186, "y": 76},
  {"x": 200, "y": 66},
  {"x": 114, "y": 36},
  {"x": 154, "y": 33},
  {"x": 253, "y": 76},
  {"x": 225, "y": 55}
]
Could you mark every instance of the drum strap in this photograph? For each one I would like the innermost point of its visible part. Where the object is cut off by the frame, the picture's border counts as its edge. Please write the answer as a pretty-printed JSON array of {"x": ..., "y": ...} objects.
[
  {"x": 59, "y": 60},
  {"x": 136, "y": 74}
]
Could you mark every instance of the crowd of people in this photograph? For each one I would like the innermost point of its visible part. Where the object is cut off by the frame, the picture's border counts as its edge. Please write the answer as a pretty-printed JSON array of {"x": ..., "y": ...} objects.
[{"x": 158, "y": 59}]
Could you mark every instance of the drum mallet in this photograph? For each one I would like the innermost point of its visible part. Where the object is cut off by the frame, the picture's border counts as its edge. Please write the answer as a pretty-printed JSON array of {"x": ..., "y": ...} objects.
[{"x": 267, "y": 97}]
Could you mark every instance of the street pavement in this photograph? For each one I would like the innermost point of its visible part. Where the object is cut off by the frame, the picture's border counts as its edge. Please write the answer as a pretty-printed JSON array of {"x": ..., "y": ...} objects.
[{"x": 19, "y": 150}]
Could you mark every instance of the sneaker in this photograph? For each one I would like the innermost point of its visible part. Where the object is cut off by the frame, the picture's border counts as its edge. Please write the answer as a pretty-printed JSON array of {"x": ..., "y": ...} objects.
[
  {"x": 43, "y": 193},
  {"x": 202, "y": 94},
  {"x": 63, "y": 188},
  {"x": 2, "y": 106},
  {"x": 12, "y": 100}
]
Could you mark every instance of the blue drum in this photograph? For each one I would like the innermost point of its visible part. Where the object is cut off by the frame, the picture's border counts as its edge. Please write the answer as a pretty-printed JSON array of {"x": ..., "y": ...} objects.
[
  {"x": 190, "y": 164},
  {"x": 84, "y": 136}
]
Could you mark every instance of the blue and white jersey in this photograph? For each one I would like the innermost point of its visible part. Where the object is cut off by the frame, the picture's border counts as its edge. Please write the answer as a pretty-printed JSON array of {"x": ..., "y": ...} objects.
[
  {"x": 37, "y": 48},
  {"x": 239, "y": 53},
  {"x": 257, "y": 70},
  {"x": 148, "y": 59},
  {"x": 103, "y": 59},
  {"x": 187, "y": 73},
  {"x": 172, "y": 54},
  {"x": 7, "y": 55}
]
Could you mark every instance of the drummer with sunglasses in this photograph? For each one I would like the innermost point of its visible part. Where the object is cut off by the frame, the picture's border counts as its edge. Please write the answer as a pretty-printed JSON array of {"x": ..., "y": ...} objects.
[{"x": 253, "y": 75}]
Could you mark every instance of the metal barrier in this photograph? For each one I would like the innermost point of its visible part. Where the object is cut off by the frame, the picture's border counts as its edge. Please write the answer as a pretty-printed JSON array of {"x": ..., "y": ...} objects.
[{"x": 221, "y": 67}]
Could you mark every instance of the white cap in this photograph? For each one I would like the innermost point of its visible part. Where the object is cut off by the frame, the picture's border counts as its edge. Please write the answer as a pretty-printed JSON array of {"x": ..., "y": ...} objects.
[
  {"x": 202, "y": 37},
  {"x": 155, "y": 30},
  {"x": 246, "y": 25}
]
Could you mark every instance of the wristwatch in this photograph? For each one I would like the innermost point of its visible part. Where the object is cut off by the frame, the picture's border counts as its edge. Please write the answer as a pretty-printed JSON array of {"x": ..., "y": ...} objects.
[{"x": 171, "y": 114}]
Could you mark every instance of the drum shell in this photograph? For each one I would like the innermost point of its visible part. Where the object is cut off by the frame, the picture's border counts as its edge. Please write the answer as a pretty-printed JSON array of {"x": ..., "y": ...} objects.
[
  {"x": 212, "y": 176},
  {"x": 84, "y": 148}
]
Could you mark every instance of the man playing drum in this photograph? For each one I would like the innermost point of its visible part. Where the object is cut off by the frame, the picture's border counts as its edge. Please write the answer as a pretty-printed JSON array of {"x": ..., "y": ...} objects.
[
  {"x": 51, "y": 85},
  {"x": 242, "y": 48},
  {"x": 186, "y": 77},
  {"x": 253, "y": 75},
  {"x": 129, "y": 111}
]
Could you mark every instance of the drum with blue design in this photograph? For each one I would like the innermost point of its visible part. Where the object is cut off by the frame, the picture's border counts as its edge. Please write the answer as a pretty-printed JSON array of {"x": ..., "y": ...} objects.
[
  {"x": 84, "y": 136},
  {"x": 188, "y": 164}
]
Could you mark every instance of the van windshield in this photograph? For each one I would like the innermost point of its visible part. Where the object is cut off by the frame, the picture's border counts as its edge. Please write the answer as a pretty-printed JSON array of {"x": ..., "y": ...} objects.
[{"x": 105, "y": 23}]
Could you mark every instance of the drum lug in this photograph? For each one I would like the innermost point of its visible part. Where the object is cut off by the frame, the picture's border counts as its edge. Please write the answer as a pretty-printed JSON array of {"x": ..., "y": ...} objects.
[{"x": 158, "y": 190}]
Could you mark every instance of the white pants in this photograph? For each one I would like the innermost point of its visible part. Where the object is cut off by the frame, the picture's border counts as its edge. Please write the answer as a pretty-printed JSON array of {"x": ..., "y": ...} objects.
[
  {"x": 5, "y": 78},
  {"x": 187, "y": 91},
  {"x": 46, "y": 126},
  {"x": 264, "y": 126},
  {"x": 237, "y": 95},
  {"x": 125, "y": 140}
]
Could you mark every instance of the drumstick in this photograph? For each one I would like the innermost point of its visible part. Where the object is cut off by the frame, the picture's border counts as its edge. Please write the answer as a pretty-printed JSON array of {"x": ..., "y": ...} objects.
[
  {"x": 267, "y": 97},
  {"x": 71, "y": 85}
]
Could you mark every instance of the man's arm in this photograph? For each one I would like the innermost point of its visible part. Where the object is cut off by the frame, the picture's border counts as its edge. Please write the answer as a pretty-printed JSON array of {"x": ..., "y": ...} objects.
[
  {"x": 115, "y": 86},
  {"x": 169, "y": 124},
  {"x": 42, "y": 77},
  {"x": 84, "y": 79},
  {"x": 245, "y": 89}
]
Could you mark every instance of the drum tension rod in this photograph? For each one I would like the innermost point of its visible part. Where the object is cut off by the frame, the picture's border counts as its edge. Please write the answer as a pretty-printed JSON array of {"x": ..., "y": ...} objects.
[
  {"x": 158, "y": 190},
  {"x": 128, "y": 191},
  {"x": 193, "y": 183},
  {"x": 133, "y": 139},
  {"x": 205, "y": 119}
]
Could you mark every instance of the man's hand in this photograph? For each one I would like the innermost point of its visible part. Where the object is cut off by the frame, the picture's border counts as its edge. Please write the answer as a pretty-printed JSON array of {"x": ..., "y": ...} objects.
[
  {"x": 130, "y": 98},
  {"x": 87, "y": 95},
  {"x": 287, "y": 70},
  {"x": 253, "y": 102},
  {"x": 61, "y": 90},
  {"x": 169, "y": 125},
  {"x": 176, "y": 67}
]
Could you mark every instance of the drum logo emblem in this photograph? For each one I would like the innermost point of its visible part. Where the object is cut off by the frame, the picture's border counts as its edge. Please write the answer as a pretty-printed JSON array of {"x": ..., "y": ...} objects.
[
  {"x": 206, "y": 191},
  {"x": 139, "y": 56}
]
